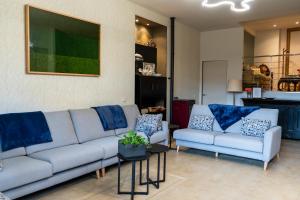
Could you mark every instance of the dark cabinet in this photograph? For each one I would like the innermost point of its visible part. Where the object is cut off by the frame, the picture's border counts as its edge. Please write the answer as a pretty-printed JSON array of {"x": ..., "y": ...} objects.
[
  {"x": 149, "y": 56},
  {"x": 150, "y": 91},
  {"x": 181, "y": 112},
  {"x": 149, "y": 53},
  {"x": 289, "y": 114}
]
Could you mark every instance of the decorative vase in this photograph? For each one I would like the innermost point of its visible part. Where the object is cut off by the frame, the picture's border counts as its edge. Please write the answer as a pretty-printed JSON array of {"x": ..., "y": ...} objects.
[{"x": 130, "y": 150}]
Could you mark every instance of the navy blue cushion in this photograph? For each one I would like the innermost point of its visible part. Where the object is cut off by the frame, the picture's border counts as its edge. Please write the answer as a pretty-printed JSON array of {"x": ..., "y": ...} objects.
[
  {"x": 112, "y": 117},
  {"x": 227, "y": 115},
  {"x": 23, "y": 129}
]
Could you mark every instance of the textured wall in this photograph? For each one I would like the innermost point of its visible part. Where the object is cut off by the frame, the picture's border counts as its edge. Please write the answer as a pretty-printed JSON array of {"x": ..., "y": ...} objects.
[
  {"x": 225, "y": 44},
  {"x": 187, "y": 62},
  {"x": 20, "y": 92}
]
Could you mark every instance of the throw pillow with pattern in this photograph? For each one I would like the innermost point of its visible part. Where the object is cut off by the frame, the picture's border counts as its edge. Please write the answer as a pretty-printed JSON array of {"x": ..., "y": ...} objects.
[
  {"x": 148, "y": 120},
  {"x": 255, "y": 127},
  {"x": 202, "y": 122}
]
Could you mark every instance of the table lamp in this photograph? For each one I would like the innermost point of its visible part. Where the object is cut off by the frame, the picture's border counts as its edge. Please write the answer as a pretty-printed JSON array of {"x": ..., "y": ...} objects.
[{"x": 234, "y": 86}]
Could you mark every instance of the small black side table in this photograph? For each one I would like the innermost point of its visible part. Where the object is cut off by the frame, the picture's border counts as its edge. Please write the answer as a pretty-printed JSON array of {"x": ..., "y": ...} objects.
[
  {"x": 172, "y": 128},
  {"x": 157, "y": 149},
  {"x": 133, "y": 160}
]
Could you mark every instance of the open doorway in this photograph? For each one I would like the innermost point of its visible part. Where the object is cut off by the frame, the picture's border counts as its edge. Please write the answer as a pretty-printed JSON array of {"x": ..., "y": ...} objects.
[{"x": 151, "y": 66}]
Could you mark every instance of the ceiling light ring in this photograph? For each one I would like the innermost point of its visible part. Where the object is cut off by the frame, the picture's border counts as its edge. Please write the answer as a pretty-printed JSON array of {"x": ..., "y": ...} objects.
[{"x": 244, "y": 4}]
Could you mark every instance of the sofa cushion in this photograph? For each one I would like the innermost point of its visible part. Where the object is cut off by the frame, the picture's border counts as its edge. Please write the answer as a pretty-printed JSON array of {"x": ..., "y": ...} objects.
[
  {"x": 198, "y": 136},
  {"x": 62, "y": 132},
  {"x": 202, "y": 122},
  {"x": 266, "y": 114},
  {"x": 238, "y": 141},
  {"x": 131, "y": 112},
  {"x": 68, "y": 157},
  {"x": 261, "y": 114},
  {"x": 204, "y": 110},
  {"x": 88, "y": 125},
  {"x": 12, "y": 153},
  {"x": 149, "y": 123},
  {"x": 108, "y": 144},
  {"x": 255, "y": 127},
  {"x": 22, "y": 170}
]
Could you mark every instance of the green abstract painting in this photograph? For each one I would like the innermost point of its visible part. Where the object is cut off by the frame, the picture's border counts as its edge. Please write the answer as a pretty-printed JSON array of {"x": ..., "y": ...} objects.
[{"x": 59, "y": 44}]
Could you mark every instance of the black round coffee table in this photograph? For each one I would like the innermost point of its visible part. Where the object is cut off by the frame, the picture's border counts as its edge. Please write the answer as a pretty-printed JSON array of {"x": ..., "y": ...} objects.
[
  {"x": 133, "y": 160},
  {"x": 157, "y": 149}
]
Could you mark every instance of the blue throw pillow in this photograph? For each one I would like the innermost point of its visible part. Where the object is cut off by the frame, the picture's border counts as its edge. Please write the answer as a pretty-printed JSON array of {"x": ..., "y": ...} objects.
[
  {"x": 255, "y": 127},
  {"x": 148, "y": 121},
  {"x": 202, "y": 122}
]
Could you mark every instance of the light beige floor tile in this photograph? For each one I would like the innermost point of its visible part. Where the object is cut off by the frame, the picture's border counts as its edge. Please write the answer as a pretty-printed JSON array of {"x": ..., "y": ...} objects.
[{"x": 197, "y": 175}]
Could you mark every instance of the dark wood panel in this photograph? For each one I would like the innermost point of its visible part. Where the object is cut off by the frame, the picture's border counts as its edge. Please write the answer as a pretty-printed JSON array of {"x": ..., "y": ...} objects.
[
  {"x": 149, "y": 53},
  {"x": 150, "y": 91}
]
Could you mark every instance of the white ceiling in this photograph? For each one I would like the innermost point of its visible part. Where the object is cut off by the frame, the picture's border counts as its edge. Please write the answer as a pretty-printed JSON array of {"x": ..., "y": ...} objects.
[
  {"x": 191, "y": 12},
  {"x": 273, "y": 24}
]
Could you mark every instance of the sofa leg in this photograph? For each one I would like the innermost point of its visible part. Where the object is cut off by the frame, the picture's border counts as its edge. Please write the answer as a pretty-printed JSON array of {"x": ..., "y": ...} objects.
[
  {"x": 217, "y": 155},
  {"x": 178, "y": 149},
  {"x": 266, "y": 165},
  {"x": 98, "y": 174},
  {"x": 102, "y": 172},
  {"x": 278, "y": 156}
]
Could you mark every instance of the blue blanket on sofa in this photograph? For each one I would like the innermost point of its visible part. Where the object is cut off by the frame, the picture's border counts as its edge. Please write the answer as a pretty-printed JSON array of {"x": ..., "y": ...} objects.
[
  {"x": 227, "y": 115},
  {"x": 23, "y": 129},
  {"x": 112, "y": 117}
]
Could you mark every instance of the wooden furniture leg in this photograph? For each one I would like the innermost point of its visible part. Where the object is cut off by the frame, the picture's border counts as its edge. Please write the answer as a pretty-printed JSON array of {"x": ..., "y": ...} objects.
[
  {"x": 102, "y": 172},
  {"x": 217, "y": 155},
  {"x": 98, "y": 174},
  {"x": 265, "y": 166}
]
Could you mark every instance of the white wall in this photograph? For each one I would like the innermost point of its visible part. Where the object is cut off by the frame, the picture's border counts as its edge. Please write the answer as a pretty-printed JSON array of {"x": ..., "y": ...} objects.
[
  {"x": 272, "y": 42},
  {"x": 20, "y": 92},
  {"x": 268, "y": 43},
  {"x": 225, "y": 44},
  {"x": 187, "y": 62}
]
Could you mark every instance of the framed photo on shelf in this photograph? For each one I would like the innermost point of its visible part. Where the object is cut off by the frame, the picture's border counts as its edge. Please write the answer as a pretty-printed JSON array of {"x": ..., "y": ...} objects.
[{"x": 257, "y": 93}]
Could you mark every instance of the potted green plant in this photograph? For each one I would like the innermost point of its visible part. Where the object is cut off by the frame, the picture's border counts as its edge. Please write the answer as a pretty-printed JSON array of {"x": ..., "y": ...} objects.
[{"x": 132, "y": 145}]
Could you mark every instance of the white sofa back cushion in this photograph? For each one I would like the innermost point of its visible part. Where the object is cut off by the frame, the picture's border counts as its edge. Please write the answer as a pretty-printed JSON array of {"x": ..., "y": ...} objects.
[
  {"x": 88, "y": 125},
  {"x": 204, "y": 110},
  {"x": 62, "y": 132},
  {"x": 261, "y": 114},
  {"x": 131, "y": 112},
  {"x": 12, "y": 153}
]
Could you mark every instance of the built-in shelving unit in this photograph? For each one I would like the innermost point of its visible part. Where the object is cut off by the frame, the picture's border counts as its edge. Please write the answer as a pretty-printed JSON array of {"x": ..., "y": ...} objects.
[{"x": 151, "y": 48}]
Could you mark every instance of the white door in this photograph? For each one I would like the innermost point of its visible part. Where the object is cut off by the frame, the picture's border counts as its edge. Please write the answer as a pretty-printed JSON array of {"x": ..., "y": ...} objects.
[{"x": 214, "y": 85}]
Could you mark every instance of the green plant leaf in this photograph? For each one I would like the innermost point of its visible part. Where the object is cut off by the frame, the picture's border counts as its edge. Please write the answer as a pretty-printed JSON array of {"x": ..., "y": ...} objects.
[{"x": 133, "y": 138}]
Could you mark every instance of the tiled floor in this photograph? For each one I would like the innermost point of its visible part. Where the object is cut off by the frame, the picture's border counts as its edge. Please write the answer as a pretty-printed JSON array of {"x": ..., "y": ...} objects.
[{"x": 197, "y": 175}]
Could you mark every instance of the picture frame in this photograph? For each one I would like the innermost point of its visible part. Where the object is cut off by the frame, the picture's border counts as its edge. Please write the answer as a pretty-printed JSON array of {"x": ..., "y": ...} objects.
[
  {"x": 60, "y": 44},
  {"x": 257, "y": 93},
  {"x": 149, "y": 68}
]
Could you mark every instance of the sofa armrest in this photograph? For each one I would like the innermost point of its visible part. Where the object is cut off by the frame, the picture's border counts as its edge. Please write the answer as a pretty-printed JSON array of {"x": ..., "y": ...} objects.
[
  {"x": 165, "y": 126},
  {"x": 165, "y": 129},
  {"x": 272, "y": 143}
]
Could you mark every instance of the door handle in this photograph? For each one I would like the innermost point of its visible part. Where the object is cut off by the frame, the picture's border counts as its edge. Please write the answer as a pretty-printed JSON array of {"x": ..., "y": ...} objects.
[{"x": 204, "y": 95}]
